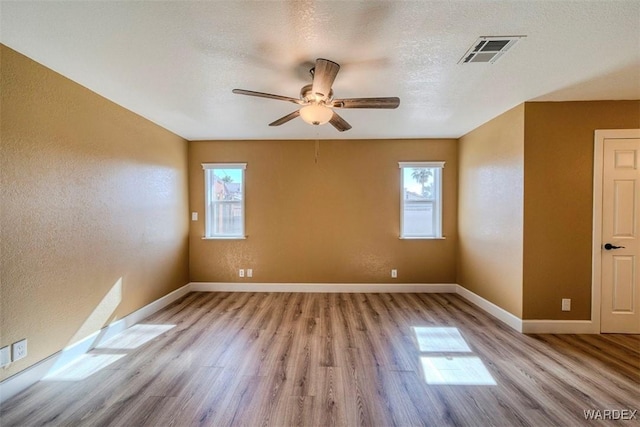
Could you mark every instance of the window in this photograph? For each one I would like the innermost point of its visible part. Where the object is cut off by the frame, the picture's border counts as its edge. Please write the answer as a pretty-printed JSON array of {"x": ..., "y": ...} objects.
[
  {"x": 224, "y": 200},
  {"x": 421, "y": 200}
]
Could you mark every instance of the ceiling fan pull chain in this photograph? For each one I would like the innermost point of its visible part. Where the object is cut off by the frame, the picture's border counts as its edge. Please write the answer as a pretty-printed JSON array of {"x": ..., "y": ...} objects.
[{"x": 317, "y": 149}]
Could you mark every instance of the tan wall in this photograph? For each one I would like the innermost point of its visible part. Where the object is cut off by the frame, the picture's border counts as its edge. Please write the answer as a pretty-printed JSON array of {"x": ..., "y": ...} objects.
[
  {"x": 336, "y": 221},
  {"x": 559, "y": 199},
  {"x": 490, "y": 206},
  {"x": 92, "y": 196}
]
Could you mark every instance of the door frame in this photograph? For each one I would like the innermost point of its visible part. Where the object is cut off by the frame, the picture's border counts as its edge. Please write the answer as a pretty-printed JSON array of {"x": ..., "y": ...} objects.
[{"x": 596, "y": 248}]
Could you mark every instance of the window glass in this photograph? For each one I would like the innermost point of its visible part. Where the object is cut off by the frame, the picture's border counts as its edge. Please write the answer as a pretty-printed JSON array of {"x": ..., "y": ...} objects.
[
  {"x": 224, "y": 200},
  {"x": 421, "y": 200}
]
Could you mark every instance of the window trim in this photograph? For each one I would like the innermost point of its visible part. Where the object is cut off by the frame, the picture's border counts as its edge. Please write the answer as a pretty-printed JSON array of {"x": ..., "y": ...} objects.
[
  {"x": 208, "y": 229},
  {"x": 437, "y": 203}
]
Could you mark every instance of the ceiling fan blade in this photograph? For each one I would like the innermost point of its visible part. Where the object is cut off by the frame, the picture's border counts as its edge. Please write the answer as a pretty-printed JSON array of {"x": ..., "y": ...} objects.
[
  {"x": 339, "y": 123},
  {"x": 391, "y": 102},
  {"x": 286, "y": 118},
  {"x": 266, "y": 95},
  {"x": 324, "y": 74}
]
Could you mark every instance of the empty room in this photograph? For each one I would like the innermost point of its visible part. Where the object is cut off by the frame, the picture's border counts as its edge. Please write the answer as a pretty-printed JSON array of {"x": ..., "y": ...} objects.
[{"x": 319, "y": 213}]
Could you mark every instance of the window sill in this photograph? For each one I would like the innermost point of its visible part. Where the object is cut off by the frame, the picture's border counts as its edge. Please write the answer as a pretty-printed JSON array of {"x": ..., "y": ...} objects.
[
  {"x": 421, "y": 238},
  {"x": 224, "y": 238}
]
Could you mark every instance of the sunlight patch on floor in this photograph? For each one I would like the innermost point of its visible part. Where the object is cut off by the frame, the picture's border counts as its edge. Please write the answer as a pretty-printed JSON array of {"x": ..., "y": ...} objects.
[
  {"x": 83, "y": 367},
  {"x": 108, "y": 352},
  {"x": 447, "y": 359},
  {"x": 467, "y": 370},
  {"x": 135, "y": 336},
  {"x": 439, "y": 339}
]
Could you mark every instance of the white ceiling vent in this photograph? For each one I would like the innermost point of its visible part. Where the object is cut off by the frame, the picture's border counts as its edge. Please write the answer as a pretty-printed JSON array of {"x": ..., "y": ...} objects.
[{"x": 489, "y": 49}]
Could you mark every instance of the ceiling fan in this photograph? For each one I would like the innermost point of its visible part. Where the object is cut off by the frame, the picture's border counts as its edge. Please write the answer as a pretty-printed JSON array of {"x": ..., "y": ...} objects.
[{"x": 317, "y": 99}]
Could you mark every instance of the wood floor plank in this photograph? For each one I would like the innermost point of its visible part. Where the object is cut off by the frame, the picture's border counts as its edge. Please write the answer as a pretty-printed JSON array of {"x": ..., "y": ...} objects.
[
  {"x": 360, "y": 410},
  {"x": 329, "y": 410},
  {"x": 306, "y": 361},
  {"x": 179, "y": 410},
  {"x": 216, "y": 401},
  {"x": 303, "y": 359},
  {"x": 299, "y": 410}
]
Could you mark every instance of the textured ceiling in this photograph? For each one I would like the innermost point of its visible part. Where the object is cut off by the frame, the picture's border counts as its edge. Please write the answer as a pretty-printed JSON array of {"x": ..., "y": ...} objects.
[{"x": 176, "y": 63}]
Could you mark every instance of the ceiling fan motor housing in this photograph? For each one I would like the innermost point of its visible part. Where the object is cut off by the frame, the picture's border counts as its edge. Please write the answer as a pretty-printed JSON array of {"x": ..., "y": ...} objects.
[{"x": 307, "y": 95}]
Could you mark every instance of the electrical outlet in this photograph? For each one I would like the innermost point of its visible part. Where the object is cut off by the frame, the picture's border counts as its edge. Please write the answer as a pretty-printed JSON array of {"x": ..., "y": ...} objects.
[
  {"x": 241, "y": 272},
  {"x": 194, "y": 216},
  {"x": 5, "y": 356},
  {"x": 566, "y": 304},
  {"x": 394, "y": 273},
  {"x": 249, "y": 272},
  {"x": 19, "y": 350}
]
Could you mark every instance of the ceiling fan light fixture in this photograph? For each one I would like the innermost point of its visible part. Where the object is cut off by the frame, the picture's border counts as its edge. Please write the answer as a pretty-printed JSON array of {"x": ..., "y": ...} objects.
[{"x": 316, "y": 114}]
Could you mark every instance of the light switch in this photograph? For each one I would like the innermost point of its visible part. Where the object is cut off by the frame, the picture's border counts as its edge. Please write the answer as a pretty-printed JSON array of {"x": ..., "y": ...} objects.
[{"x": 194, "y": 216}]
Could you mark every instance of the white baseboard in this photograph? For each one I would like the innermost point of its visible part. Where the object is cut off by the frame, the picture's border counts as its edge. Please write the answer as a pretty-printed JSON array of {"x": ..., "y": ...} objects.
[
  {"x": 325, "y": 287},
  {"x": 23, "y": 379},
  {"x": 498, "y": 312},
  {"x": 529, "y": 326},
  {"x": 559, "y": 327}
]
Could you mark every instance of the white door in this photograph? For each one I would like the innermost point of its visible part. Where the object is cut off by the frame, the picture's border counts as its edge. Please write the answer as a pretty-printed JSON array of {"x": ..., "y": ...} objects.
[{"x": 620, "y": 292}]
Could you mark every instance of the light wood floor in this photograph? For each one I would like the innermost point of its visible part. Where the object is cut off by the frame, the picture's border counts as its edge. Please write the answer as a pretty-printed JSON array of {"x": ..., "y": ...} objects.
[{"x": 279, "y": 359}]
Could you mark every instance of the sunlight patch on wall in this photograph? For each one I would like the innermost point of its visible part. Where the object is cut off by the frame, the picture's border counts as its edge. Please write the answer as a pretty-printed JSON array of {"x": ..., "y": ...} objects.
[
  {"x": 101, "y": 314},
  {"x": 135, "y": 336}
]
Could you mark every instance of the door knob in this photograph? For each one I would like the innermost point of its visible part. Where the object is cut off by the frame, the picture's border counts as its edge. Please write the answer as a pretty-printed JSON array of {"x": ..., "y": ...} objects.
[{"x": 609, "y": 246}]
